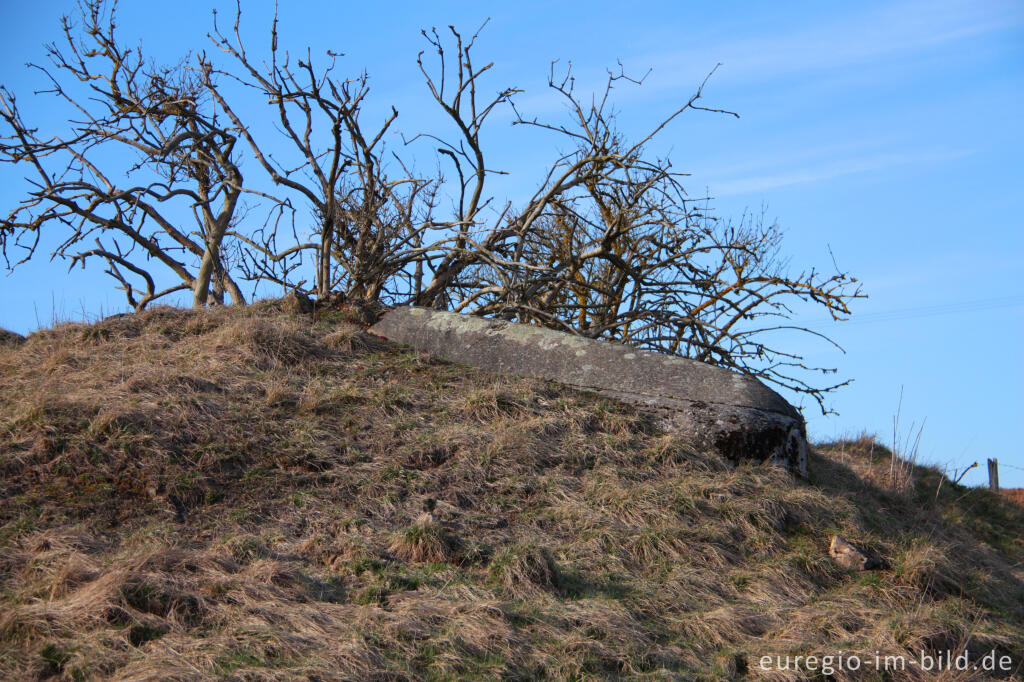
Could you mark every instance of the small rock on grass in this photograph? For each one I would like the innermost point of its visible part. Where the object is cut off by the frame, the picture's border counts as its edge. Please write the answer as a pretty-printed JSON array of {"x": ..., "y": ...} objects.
[
  {"x": 297, "y": 303},
  {"x": 849, "y": 556}
]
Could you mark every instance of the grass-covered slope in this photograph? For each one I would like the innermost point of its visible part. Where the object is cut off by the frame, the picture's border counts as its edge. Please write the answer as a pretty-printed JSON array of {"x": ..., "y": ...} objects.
[{"x": 251, "y": 495}]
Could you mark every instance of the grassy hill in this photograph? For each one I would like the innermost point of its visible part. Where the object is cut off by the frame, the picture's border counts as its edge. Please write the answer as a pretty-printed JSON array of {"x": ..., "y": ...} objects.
[{"x": 248, "y": 494}]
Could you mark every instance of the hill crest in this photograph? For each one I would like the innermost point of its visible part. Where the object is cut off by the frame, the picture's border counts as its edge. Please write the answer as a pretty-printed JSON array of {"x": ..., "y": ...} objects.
[{"x": 249, "y": 494}]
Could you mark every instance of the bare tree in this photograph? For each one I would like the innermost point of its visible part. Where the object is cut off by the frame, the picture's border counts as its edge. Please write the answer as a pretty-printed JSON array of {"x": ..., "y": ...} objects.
[
  {"x": 145, "y": 154},
  {"x": 370, "y": 226},
  {"x": 610, "y": 245}
]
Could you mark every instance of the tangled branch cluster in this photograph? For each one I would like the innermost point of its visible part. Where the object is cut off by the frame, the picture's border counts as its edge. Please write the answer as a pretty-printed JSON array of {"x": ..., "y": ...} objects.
[{"x": 149, "y": 181}]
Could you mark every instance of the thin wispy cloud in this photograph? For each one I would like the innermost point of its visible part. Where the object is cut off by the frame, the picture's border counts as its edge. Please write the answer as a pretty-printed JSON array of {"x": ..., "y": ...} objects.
[
  {"x": 788, "y": 156},
  {"x": 878, "y": 40},
  {"x": 829, "y": 170},
  {"x": 857, "y": 39}
]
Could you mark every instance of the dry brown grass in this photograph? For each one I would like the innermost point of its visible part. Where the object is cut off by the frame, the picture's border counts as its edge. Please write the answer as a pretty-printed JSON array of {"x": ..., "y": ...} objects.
[
  {"x": 241, "y": 494},
  {"x": 1015, "y": 495}
]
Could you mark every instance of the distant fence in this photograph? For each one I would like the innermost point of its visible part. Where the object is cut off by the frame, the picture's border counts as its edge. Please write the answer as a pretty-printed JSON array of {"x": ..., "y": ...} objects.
[{"x": 1015, "y": 495}]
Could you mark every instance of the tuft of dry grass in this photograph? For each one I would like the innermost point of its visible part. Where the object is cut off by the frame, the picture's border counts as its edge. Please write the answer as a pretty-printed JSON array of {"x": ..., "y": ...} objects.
[
  {"x": 425, "y": 540},
  {"x": 246, "y": 494},
  {"x": 524, "y": 569}
]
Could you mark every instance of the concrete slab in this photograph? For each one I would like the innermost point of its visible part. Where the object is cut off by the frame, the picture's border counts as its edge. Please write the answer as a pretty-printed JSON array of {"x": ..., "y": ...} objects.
[{"x": 733, "y": 413}]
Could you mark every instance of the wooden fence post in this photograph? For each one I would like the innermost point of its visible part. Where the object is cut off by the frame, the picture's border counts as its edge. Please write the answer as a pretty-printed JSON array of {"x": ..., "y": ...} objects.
[{"x": 993, "y": 475}]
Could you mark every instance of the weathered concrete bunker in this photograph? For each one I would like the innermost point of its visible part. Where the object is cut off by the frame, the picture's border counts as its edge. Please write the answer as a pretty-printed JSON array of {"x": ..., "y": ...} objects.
[{"x": 732, "y": 413}]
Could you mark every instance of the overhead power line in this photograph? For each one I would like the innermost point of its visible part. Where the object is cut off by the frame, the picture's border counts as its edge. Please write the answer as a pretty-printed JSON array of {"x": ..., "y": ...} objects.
[{"x": 957, "y": 308}]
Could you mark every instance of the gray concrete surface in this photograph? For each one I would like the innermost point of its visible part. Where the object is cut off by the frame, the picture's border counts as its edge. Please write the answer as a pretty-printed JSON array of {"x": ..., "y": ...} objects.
[{"x": 713, "y": 407}]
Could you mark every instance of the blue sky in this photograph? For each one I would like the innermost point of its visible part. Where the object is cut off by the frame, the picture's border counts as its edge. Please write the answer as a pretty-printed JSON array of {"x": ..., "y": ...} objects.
[{"x": 891, "y": 133}]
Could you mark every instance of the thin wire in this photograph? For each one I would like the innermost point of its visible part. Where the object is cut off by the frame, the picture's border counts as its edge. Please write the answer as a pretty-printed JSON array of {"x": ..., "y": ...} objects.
[{"x": 927, "y": 311}]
